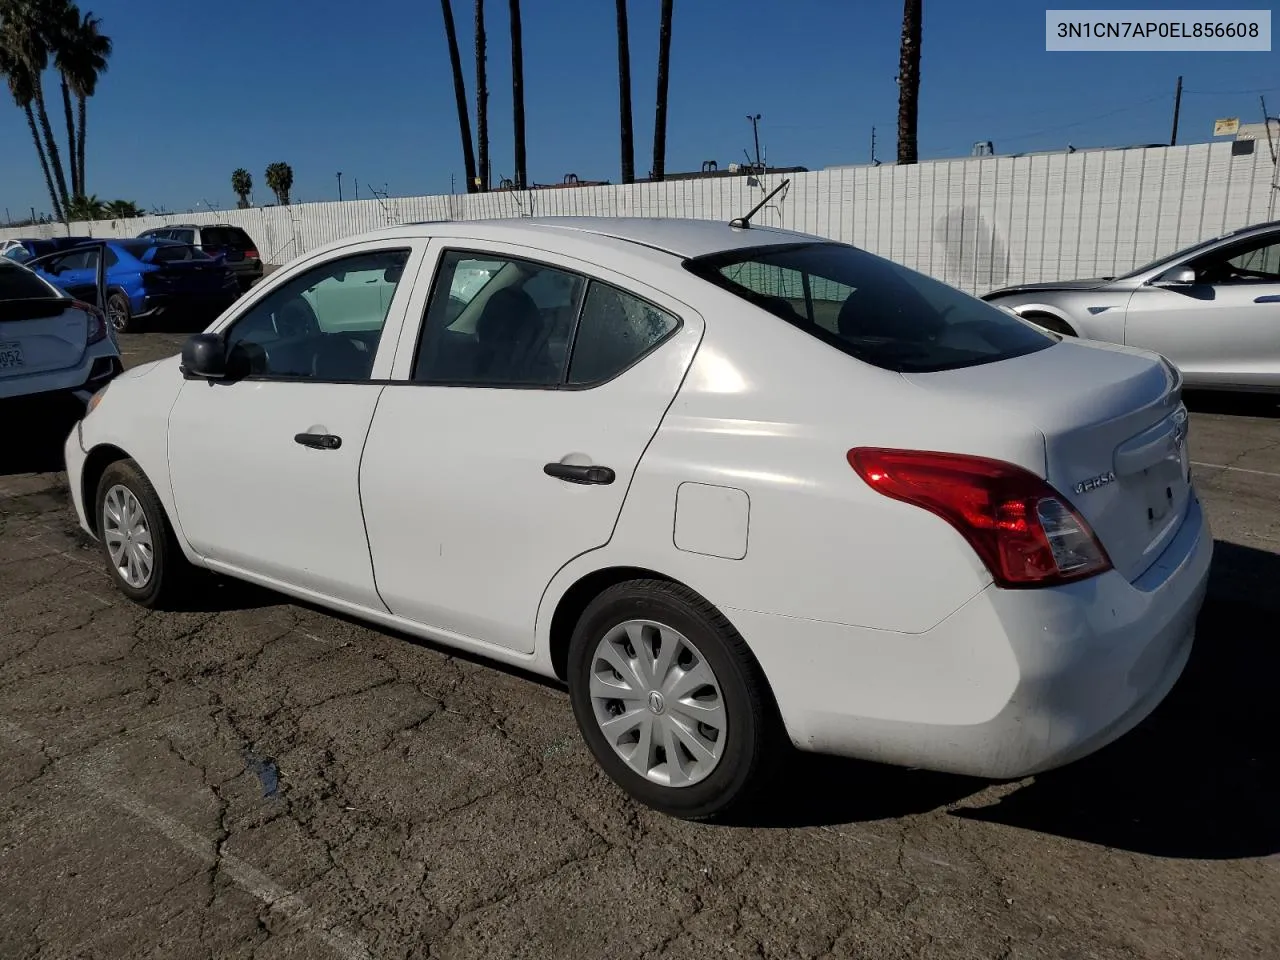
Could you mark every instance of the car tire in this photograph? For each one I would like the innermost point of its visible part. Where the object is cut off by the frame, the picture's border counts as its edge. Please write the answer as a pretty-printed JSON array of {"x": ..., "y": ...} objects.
[
  {"x": 152, "y": 572},
  {"x": 710, "y": 675},
  {"x": 118, "y": 313}
]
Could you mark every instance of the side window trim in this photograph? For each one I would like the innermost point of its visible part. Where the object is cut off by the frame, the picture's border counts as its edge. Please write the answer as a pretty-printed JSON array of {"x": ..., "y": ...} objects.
[
  {"x": 412, "y": 247},
  {"x": 445, "y": 249}
]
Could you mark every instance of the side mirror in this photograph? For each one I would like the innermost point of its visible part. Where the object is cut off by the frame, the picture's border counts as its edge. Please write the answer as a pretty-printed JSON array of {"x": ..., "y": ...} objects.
[
  {"x": 204, "y": 355},
  {"x": 1183, "y": 277}
]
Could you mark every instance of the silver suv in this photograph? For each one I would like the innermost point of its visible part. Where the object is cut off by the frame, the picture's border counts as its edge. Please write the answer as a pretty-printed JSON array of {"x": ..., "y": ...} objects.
[{"x": 218, "y": 239}]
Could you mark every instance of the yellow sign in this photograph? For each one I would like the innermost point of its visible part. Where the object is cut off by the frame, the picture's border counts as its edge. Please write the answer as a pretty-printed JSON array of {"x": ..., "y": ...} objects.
[{"x": 1226, "y": 128}]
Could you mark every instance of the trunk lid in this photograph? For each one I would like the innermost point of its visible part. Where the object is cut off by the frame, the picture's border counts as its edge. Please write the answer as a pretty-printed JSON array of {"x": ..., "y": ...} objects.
[
  {"x": 41, "y": 335},
  {"x": 1114, "y": 430},
  {"x": 187, "y": 276}
]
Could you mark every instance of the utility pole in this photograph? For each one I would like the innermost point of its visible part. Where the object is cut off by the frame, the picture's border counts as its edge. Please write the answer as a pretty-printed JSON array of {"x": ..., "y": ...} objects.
[
  {"x": 339, "y": 186},
  {"x": 1177, "y": 106},
  {"x": 755, "y": 130},
  {"x": 874, "y": 161},
  {"x": 357, "y": 183}
]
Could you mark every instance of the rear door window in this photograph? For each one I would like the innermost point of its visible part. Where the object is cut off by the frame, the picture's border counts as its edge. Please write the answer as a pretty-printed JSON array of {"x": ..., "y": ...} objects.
[{"x": 871, "y": 308}]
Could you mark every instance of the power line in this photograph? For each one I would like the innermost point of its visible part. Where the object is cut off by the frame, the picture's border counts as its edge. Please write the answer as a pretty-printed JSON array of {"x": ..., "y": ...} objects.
[{"x": 1230, "y": 93}]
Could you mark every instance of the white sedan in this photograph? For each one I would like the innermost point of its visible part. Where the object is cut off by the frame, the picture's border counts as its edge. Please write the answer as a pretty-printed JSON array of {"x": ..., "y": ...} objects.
[
  {"x": 54, "y": 350},
  {"x": 734, "y": 486}
]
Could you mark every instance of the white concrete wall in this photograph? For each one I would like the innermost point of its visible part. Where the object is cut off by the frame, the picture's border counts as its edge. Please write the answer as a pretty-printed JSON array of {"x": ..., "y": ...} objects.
[{"x": 975, "y": 223}]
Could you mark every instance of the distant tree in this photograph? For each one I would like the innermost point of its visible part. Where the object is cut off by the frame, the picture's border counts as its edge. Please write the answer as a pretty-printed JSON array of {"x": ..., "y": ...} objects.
[
  {"x": 242, "y": 184},
  {"x": 86, "y": 208},
  {"x": 517, "y": 91},
  {"x": 460, "y": 95},
  {"x": 660, "y": 113},
  {"x": 909, "y": 81},
  {"x": 482, "y": 100},
  {"x": 22, "y": 87},
  {"x": 82, "y": 59},
  {"x": 624, "y": 95},
  {"x": 122, "y": 210},
  {"x": 280, "y": 181}
]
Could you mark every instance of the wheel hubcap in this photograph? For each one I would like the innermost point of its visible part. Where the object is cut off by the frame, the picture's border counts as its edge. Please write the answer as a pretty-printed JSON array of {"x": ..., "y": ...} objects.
[
  {"x": 116, "y": 313},
  {"x": 658, "y": 703},
  {"x": 128, "y": 536}
]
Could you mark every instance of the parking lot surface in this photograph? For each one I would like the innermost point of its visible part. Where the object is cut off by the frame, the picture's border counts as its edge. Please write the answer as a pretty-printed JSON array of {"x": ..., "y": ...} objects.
[{"x": 256, "y": 778}]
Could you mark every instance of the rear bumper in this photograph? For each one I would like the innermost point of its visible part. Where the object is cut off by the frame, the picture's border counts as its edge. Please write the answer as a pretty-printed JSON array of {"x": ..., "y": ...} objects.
[
  {"x": 1013, "y": 683},
  {"x": 99, "y": 366}
]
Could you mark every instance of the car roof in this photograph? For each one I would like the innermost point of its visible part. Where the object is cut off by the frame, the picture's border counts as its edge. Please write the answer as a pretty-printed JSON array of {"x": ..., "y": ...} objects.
[{"x": 676, "y": 236}]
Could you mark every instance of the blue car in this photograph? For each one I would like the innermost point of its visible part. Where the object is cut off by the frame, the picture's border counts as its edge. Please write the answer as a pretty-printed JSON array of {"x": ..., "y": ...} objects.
[{"x": 144, "y": 279}]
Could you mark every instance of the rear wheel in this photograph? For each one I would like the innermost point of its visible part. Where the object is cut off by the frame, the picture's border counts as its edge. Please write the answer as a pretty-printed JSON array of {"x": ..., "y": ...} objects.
[
  {"x": 118, "y": 312},
  {"x": 142, "y": 553},
  {"x": 669, "y": 699}
]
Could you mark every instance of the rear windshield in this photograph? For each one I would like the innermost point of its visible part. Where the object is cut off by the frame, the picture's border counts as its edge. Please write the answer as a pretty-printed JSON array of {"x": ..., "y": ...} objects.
[
  {"x": 233, "y": 238},
  {"x": 871, "y": 308},
  {"x": 18, "y": 283},
  {"x": 173, "y": 252}
]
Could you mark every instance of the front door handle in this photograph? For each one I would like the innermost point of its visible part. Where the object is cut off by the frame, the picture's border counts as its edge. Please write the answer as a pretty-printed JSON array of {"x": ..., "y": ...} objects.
[
  {"x": 318, "y": 441},
  {"x": 579, "y": 474},
  {"x": 1270, "y": 298}
]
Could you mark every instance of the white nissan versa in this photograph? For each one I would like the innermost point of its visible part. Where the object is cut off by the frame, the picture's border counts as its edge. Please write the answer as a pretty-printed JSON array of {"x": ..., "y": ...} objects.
[{"x": 727, "y": 482}]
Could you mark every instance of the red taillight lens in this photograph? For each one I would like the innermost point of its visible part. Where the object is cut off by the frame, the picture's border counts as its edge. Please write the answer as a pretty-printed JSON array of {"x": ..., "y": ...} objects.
[
  {"x": 251, "y": 254},
  {"x": 1025, "y": 532},
  {"x": 97, "y": 322}
]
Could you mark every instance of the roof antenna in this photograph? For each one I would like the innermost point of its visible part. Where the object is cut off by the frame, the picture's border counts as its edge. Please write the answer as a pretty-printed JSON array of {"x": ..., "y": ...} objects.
[{"x": 744, "y": 223}]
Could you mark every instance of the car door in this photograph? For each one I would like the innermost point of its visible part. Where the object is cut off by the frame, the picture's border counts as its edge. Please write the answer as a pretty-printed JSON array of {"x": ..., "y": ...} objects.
[
  {"x": 1223, "y": 328},
  {"x": 265, "y": 464},
  {"x": 507, "y": 441}
]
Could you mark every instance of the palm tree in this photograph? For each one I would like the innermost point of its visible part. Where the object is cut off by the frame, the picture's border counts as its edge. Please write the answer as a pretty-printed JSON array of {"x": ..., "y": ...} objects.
[
  {"x": 66, "y": 19},
  {"x": 624, "y": 95},
  {"x": 280, "y": 181},
  {"x": 242, "y": 184},
  {"x": 482, "y": 100},
  {"x": 27, "y": 28},
  {"x": 85, "y": 208},
  {"x": 89, "y": 62},
  {"x": 20, "y": 86},
  {"x": 909, "y": 81},
  {"x": 660, "y": 113},
  {"x": 460, "y": 94},
  {"x": 122, "y": 210},
  {"x": 517, "y": 90}
]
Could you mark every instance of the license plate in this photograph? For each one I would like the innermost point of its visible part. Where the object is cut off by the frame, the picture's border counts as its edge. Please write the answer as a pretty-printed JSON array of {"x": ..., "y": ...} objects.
[{"x": 10, "y": 355}]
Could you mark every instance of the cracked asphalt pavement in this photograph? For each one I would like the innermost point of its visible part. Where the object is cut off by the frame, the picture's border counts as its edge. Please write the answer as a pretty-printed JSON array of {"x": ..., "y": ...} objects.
[{"x": 258, "y": 778}]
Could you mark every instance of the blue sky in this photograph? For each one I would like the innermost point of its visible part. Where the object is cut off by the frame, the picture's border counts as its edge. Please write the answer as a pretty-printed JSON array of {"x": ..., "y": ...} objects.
[{"x": 195, "y": 90}]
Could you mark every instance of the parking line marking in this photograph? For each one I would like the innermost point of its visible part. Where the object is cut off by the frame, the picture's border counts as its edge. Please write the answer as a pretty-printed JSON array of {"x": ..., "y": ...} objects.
[
  {"x": 1223, "y": 466},
  {"x": 248, "y": 878}
]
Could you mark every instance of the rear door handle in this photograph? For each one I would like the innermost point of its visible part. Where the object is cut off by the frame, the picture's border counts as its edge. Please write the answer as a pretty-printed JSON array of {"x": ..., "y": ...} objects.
[
  {"x": 1270, "y": 298},
  {"x": 318, "y": 441},
  {"x": 579, "y": 474}
]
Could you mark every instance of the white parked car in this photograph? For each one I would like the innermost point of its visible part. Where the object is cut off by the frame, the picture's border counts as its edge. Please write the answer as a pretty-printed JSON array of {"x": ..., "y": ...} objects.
[
  {"x": 729, "y": 484},
  {"x": 54, "y": 350}
]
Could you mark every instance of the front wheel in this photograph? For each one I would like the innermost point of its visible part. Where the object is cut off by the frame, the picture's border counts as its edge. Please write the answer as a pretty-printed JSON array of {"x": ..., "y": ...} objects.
[
  {"x": 669, "y": 699},
  {"x": 142, "y": 553},
  {"x": 1050, "y": 323}
]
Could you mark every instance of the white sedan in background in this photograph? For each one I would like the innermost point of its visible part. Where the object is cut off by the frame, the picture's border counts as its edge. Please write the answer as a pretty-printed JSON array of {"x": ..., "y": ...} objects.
[
  {"x": 54, "y": 350},
  {"x": 732, "y": 485}
]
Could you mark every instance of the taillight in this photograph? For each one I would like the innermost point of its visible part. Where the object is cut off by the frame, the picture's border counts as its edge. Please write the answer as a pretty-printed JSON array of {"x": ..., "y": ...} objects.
[
  {"x": 97, "y": 322},
  {"x": 1024, "y": 531},
  {"x": 251, "y": 254}
]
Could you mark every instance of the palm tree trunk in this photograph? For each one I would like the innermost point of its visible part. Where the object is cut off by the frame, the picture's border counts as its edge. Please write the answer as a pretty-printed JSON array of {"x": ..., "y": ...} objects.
[
  {"x": 51, "y": 145},
  {"x": 460, "y": 94},
  {"x": 909, "y": 81},
  {"x": 482, "y": 101},
  {"x": 660, "y": 113},
  {"x": 517, "y": 90},
  {"x": 76, "y": 189},
  {"x": 624, "y": 96},
  {"x": 44, "y": 163},
  {"x": 80, "y": 144}
]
